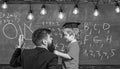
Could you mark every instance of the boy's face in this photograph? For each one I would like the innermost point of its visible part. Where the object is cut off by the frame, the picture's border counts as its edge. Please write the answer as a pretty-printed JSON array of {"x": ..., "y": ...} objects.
[{"x": 67, "y": 36}]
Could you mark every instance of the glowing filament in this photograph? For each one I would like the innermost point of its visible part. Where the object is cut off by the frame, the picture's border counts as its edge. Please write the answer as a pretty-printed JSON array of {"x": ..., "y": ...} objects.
[
  {"x": 43, "y": 11},
  {"x": 96, "y": 12},
  {"x": 4, "y": 5},
  {"x": 30, "y": 16},
  {"x": 61, "y": 15},
  {"x": 75, "y": 11},
  {"x": 117, "y": 9}
]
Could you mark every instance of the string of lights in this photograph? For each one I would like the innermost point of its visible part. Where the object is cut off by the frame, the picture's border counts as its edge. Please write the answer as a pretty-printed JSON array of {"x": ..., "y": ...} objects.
[{"x": 43, "y": 10}]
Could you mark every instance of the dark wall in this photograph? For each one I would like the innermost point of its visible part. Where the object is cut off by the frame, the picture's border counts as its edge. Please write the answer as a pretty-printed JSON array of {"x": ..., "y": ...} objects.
[{"x": 98, "y": 38}]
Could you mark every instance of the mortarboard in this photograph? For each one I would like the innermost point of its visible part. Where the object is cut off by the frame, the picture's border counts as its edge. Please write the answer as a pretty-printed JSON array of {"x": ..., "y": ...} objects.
[{"x": 71, "y": 25}]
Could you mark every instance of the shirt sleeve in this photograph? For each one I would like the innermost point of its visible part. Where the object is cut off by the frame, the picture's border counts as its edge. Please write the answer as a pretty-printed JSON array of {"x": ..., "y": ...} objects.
[
  {"x": 16, "y": 58},
  {"x": 53, "y": 63}
]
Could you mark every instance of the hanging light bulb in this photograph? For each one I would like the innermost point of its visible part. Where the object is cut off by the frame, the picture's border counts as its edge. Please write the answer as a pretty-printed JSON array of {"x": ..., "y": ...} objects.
[
  {"x": 96, "y": 12},
  {"x": 4, "y": 5},
  {"x": 76, "y": 10},
  {"x": 61, "y": 14},
  {"x": 30, "y": 16},
  {"x": 117, "y": 9},
  {"x": 43, "y": 10}
]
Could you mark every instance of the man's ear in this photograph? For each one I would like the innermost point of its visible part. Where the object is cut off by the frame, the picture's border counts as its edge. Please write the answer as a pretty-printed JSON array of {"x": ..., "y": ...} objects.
[{"x": 44, "y": 41}]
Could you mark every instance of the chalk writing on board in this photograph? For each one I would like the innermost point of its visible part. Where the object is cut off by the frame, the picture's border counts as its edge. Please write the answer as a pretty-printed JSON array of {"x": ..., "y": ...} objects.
[
  {"x": 96, "y": 40},
  {"x": 96, "y": 37},
  {"x": 2, "y": 14},
  {"x": 7, "y": 35},
  {"x": 10, "y": 25},
  {"x": 113, "y": 53},
  {"x": 11, "y": 22},
  {"x": 20, "y": 29},
  {"x": 100, "y": 54},
  {"x": 27, "y": 27},
  {"x": 50, "y": 23},
  {"x": 109, "y": 38},
  {"x": 106, "y": 26}
]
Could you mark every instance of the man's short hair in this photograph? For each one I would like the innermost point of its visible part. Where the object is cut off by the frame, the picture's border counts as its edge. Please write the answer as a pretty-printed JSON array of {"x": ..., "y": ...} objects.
[{"x": 40, "y": 34}]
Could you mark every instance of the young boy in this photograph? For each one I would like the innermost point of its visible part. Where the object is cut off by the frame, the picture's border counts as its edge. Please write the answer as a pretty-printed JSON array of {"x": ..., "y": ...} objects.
[{"x": 72, "y": 54}]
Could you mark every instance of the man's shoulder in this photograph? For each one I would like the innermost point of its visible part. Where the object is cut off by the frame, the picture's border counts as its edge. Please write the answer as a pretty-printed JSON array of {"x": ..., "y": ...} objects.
[
  {"x": 51, "y": 54},
  {"x": 28, "y": 51}
]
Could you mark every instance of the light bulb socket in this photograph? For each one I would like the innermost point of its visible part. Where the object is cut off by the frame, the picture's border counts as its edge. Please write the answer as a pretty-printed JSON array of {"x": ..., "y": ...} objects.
[
  {"x": 96, "y": 7},
  {"x": 76, "y": 6},
  {"x": 43, "y": 6},
  {"x": 60, "y": 10},
  {"x": 117, "y": 4},
  {"x": 30, "y": 8},
  {"x": 30, "y": 11},
  {"x": 5, "y": 1}
]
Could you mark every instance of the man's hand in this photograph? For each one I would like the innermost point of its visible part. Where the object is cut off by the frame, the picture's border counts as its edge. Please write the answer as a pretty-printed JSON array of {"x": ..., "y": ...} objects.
[{"x": 21, "y": 41}]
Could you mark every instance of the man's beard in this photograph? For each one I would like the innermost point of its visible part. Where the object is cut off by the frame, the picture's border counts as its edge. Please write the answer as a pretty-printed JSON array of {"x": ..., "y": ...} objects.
[{"x": 51, "y": 47}]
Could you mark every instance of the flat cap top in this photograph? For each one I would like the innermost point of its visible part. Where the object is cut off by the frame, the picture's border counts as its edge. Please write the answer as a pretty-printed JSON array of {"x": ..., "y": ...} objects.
[{"x": 71, "y": 25}]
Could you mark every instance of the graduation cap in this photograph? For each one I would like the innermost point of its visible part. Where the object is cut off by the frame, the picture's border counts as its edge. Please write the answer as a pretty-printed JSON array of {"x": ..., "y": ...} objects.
[{"x": 71, "y": 25}]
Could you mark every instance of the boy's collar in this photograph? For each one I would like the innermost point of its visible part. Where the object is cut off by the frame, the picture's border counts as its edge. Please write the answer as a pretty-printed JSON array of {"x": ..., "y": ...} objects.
[{"x": 73, "y": 41}]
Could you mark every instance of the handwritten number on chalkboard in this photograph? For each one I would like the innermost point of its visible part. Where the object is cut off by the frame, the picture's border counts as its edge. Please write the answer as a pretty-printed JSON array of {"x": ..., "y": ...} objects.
[
  {"x": 113, "y": 53},
  {"x": 98, "y": 52}
]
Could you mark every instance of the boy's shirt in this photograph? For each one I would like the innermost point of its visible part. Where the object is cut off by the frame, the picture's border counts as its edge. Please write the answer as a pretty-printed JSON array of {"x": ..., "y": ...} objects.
[{"x": 73, "y": 51}]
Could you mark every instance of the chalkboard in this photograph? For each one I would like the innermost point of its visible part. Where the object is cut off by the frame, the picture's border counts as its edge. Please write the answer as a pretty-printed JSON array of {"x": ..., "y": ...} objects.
[{"x": 99, "y": 37}]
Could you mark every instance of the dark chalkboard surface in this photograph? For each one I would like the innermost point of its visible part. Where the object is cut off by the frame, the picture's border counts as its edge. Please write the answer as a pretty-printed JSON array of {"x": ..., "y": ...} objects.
[{"x": 99, "y": 37}]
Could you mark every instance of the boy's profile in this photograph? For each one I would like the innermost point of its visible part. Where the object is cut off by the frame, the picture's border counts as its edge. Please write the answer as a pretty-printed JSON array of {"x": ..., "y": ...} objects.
[{"x": 72, "y": 55}]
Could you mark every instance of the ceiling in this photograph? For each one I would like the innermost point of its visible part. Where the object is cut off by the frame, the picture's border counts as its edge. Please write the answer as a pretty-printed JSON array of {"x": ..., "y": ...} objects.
[{"x": 60, "y": 1}]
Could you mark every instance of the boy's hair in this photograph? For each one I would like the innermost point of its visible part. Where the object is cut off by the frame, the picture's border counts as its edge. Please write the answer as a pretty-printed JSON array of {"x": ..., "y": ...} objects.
[
  {"x": 69, "y": 31},
  {"x": 71, "y": 28},
  {"x": 40, "y": 34}
]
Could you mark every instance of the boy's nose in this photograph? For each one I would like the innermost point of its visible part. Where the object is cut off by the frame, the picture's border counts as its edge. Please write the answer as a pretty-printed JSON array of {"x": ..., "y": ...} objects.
[{"x": 51, "y": 38}]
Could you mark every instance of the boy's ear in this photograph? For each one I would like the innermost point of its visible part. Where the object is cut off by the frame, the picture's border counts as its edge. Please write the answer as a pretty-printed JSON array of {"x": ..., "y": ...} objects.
[
  {"x": 76, "y": 30},
  {"x": 73, "y": 35}
]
